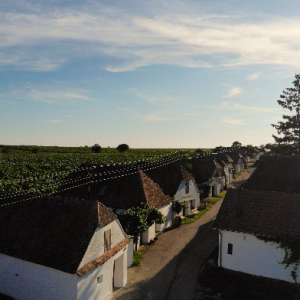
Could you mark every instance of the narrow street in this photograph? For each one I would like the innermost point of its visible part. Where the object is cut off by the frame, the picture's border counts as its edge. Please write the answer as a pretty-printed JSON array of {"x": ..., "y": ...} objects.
[{"x": 170, "y": 267}]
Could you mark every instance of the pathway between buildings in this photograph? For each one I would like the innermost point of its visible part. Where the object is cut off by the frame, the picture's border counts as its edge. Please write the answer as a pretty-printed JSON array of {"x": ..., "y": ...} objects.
[{"x": 170, "y": 267}]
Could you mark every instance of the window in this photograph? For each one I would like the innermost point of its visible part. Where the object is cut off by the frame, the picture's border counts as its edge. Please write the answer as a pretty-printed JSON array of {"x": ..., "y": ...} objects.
[
  {"x": 99, "y": 279},
  {"x": 107, "y": 240},
  {"x": 229, "y": 249},
  {"x": 187, "y": 187}
]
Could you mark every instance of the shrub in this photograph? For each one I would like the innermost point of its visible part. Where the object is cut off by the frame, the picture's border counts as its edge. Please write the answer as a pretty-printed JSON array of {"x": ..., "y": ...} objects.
[{"x": 137, "y": 258}]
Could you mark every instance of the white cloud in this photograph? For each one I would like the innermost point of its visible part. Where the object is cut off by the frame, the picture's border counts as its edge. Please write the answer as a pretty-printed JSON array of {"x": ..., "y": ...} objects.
[
  {"x": 234, "y": 92},
  {"x": 253, "y": 77},
  {"x": 57, "y": 96},
  {"x": 231, "y": 121},
  {"x": 258, "y": 109},
  {"x": 153, "y": 99},
  {"x": 43, "y": 39}
]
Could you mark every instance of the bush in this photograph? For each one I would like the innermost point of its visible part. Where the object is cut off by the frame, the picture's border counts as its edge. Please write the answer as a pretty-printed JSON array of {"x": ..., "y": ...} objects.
[{"x": 137, "y": 258}]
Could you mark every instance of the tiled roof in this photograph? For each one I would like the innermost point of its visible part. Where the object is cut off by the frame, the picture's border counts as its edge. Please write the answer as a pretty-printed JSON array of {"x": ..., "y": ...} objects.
[
  {"x": 49, "y": 231},
  {"x": 168, "y": 177},
  {"x": 259, "y": 212},
  {"x": 102, "y": 259},
  {"x": 154, "y": 194},
  {"x": 105, "y": 216},
  {"x": 276, "y": 173},
  {"x": 203, "y": 169},
  {"x": 187, "y": 176}
]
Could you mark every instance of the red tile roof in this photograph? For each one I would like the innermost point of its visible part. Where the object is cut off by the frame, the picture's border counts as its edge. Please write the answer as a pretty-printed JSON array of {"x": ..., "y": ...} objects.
[
  {"x": 105, "y": 216},
  {"x": 103, "y": 258},
  {"x": 260, "y": 212},
  {"x": 154, "y": 195},
  {"x": 187, "y": 176}
]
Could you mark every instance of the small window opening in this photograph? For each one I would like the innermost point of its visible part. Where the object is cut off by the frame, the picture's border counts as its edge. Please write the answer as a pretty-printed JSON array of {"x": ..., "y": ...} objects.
[{"x": 229, "y": 249}]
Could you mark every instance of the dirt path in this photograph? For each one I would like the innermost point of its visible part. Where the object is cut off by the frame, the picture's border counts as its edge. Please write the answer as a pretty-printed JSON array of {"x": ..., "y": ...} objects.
[
  {"x": 171, "y": 266},
  {"x": 240, "y": 179}
]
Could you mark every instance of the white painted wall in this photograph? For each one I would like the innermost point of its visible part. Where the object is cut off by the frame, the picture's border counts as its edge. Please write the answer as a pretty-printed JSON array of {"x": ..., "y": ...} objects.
[
  {"x": 96, "y": 245},
  {"x": 167, "y": 212},
  {"x": 25, "y": 280},
  {"x": 253, "y": 256},
  {"x": 193, "y": 194},
  {"x": 149, "y": 235},
  {"x": 89, "y": 288}
]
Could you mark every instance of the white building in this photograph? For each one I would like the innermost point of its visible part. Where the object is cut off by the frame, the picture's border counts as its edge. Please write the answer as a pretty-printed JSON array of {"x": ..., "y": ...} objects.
[
  {"x": 188, "y": 192},
  {"x": 246, "y": 215},
  {"x": 54, "y": 248}
]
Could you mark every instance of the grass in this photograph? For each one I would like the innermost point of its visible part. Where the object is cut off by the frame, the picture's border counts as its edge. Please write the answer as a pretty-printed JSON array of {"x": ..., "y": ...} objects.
[
  {"x": 210, "y": 201},
  {"x": 137, "y": 258}
]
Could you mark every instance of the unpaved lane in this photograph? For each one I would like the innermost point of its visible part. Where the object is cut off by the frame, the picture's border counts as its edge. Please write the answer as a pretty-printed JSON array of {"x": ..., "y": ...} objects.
[{"x": 171, "y": 266}]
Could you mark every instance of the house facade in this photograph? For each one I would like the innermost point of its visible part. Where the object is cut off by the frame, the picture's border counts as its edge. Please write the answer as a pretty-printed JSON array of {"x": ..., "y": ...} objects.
[
  {"x": 251, "y": 223},
  {"x": 55, "y": 248},
  {"x": 188, "y": 192}
]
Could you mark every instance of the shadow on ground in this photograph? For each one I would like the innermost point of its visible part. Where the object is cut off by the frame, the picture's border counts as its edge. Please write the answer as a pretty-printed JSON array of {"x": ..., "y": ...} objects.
[{"x": 178, "y": 279}]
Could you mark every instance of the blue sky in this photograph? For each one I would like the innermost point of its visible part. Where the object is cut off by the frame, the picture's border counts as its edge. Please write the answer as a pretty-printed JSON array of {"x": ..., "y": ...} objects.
[{"x": 155, "y": 74}]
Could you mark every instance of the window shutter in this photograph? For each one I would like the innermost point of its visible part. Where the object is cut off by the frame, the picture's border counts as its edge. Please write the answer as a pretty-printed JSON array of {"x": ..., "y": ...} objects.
[{"x": 107, "y": 240}]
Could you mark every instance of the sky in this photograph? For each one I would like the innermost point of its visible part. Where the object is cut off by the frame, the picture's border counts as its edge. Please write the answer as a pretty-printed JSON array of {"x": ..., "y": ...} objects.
[{"x": 151, "y": 74}]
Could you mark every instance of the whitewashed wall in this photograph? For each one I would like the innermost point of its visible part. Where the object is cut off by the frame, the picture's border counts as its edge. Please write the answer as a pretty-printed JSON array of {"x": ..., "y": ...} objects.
[
  {"x": 96, "y": 246},
  {"x": 28, "y": 281},
  {"x": 253, "y": 256},
  {"x": 193, "y": 193},
  {"x": 167, "y": 212},
  {"x": 90, "y": 288},
  {"x": 149, "y": 235}
]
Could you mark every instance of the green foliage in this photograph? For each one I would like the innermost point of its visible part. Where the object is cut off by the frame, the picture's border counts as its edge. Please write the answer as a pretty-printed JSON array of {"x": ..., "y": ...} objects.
[
  {"x": 291, "y": 246},
  {"x": 192, "y": 218},
  {"x": 42, "y": 173},
  {"x": 222, "y": 194},
  {"x": 138, "y": 219},
  {"x": 96, "y": 148},
  {"x": 122, "y": 148},
  {"x": 178, "y": 206},
  {"x": 236, "y": 145},
  {"x": 137, "y": 258},
  {"x": 289, "y": 128}
]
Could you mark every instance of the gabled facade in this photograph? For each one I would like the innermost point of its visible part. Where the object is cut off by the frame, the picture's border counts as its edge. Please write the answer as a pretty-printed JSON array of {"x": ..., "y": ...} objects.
[
  {"x": 209, "y": 176},
  {"x": 247, "y": 214},
  {"x": 54, "y": 248},
  {"x": 188, "y": 192}
]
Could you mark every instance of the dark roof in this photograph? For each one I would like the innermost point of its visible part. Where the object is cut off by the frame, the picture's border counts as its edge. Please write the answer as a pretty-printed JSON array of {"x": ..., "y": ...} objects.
[
  {"x": 259, "y": 212},
  {"x": 203, "y": 169},
  {"x": 276, "y": 173},
  {"x": 168, "y": 177},
  {"x": 123, "y": 192},
  {"x": 49, "y": 231}
]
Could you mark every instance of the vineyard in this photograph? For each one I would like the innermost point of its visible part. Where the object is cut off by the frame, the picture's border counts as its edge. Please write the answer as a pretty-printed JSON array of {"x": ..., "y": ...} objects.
[{"x": 42, "y": 170}]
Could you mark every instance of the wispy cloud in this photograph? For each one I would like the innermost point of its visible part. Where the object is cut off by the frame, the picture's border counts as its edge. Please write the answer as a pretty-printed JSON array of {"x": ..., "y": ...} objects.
[
  {"x": 234, "y": 92},
  {"x": 232, "y": 121},
  {"x": 153, "y": 99},
  {"x": 137, "y": 38},
  {"x": 57, "y": 96},
  {"x": 253, "y": 77},
  {"x": 258, "y": 109}
]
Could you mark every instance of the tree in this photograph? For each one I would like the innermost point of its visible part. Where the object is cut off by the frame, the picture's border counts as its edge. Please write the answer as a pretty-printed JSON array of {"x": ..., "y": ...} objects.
[
  {"x": 138, "y": 219},
  {"x": 96, "y": 148},
  {"x": 123, "y": 148},
  {"x": 289, "y": 128},
  {"x": 236, "y": 145}
]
